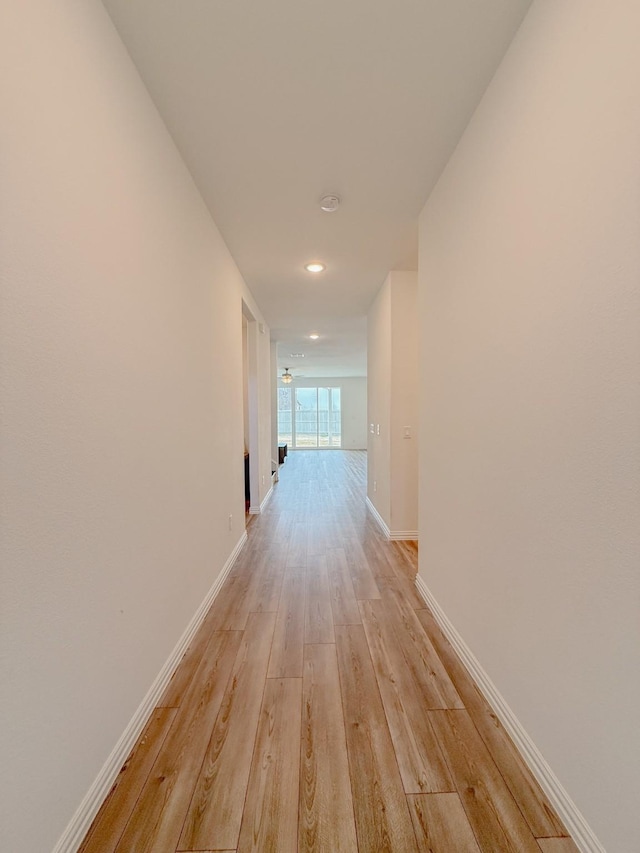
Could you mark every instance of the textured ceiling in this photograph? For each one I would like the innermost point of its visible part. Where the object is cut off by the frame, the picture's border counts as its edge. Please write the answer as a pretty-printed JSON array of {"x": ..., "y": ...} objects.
[{"x": 274, "y": 103}]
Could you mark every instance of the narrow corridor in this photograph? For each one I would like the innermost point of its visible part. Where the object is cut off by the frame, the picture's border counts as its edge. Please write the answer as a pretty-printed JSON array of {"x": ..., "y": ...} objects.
[{"x": 320, "y": 708}]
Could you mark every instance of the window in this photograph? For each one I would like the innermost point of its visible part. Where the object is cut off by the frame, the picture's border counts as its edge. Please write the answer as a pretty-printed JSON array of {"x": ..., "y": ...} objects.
[{"x": 314, "y": 420}]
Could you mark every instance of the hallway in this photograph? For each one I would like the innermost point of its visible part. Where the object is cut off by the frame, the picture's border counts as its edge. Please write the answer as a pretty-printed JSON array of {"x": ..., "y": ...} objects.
[{"x": 320, "y": 708}]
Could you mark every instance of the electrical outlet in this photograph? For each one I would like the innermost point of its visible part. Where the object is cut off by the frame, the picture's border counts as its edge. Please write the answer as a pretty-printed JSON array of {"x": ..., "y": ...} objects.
[
  {"x": 230, "y": 522},
  {"x": 263, "y": 479},
  {"x": 377, "y": 429},
  {"x": 375, "y": 485}
]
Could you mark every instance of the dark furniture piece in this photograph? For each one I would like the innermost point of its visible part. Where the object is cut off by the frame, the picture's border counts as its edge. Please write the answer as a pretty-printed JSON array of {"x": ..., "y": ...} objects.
[{"x": 282, "y": 452}]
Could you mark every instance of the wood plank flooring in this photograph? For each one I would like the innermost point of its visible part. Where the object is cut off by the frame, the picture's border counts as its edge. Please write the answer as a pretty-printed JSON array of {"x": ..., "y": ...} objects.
[{"x": 319, "y": 709}]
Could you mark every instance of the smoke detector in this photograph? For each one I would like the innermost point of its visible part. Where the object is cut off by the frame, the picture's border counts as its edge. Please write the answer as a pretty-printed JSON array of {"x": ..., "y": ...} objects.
[{"x": 329, "y": 203}]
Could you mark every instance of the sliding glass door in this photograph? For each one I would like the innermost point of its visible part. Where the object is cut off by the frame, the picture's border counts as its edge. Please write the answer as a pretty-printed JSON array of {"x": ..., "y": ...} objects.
[
  {"x": 306, "y": 417},
  {"x": 309, "y": 417},
  {"x": 285, "y": 420}
]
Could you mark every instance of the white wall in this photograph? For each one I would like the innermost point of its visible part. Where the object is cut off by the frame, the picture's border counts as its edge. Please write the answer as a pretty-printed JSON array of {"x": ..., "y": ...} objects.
[
  {"x": 259, "y": 392},
  {"x": 353, "y": 404},
  {"x": 245, "y": 382},
  {"x": 530, "y": 435},
  {"x": 379, "y": 402},
  {"x": 121, "y": 448},
  {"x": 393, "y": 388},
  {"x": 266, "y": 381},
  {"x": 353, "y": 400},
  {"x": 404, "y": 402},
  {"x": 273, "y": 371}
]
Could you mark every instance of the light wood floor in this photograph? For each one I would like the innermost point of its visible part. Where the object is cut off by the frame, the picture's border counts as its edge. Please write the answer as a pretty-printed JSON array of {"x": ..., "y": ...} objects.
[{"x": 320, "y": 708}]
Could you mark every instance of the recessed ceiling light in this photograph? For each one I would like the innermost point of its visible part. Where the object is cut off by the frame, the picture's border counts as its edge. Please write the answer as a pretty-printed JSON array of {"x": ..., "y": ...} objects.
[
  {"x": 329, "y": 203},
  {"x": 296, "y": 355},
  {"x": 315, "y": 267},
  {"x": 314, "y": 337}
]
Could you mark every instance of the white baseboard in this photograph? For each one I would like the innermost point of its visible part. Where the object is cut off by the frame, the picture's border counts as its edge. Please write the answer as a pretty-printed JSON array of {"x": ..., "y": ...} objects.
[
  {"x": 390, "y": 534},
  {"x": 573, "y": 819},
  {"x": 382, "y": 524},
  {"x": 80, "y": 823},
  {"x": 265, "y": 500},
  {"x": 403, "y": 535},
  {"x": 256, "y": 510}
]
